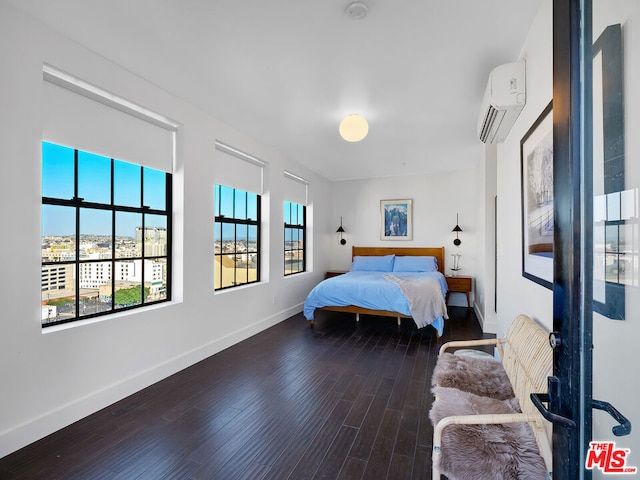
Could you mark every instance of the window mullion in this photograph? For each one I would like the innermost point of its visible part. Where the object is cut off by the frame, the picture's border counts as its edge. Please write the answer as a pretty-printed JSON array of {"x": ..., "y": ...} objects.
[
  {"x": 168, "y": 205},
  {"x": 113, "y": 236},
  {"x": 77, "y": 233},
  {"x": 144, "y": 231}
]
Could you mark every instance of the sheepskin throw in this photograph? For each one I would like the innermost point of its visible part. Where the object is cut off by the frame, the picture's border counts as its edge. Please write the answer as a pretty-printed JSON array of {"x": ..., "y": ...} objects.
[
  {"x": 485, "y": 377},
  {"x": 483, "y": 452}
]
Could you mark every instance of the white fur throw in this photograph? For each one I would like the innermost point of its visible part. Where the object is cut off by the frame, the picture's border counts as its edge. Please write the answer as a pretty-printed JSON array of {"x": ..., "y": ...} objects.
[
  {"x": 485, "y": 452},
  {"x": 480, "y": 376}
]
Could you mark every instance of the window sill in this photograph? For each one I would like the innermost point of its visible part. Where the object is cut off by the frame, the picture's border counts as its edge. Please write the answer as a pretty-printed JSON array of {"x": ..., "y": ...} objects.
[
  {"x": 298, "y": 275},
  {"x": 105, "y": 318},
  {"x": 238, "y": 288}
]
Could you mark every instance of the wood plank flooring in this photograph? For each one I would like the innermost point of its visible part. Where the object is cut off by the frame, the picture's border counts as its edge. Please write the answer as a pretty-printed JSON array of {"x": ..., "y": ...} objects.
[{"x": 337, "y": 401}]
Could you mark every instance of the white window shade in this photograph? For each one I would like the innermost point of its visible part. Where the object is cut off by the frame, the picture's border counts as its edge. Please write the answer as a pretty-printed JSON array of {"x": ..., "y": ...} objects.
[
  {"x": 82, "y": 116},
  {"x": 295, "y": 188},
  {"x": 237, "y": 169}
]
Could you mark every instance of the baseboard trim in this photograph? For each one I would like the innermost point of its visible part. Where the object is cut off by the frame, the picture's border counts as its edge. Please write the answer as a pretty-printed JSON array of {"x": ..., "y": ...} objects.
[{"x": 478, "y": 314}]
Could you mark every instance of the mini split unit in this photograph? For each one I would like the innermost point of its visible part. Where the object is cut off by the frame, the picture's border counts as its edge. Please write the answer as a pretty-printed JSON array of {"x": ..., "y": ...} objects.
[{"x": 503, "y": 101}]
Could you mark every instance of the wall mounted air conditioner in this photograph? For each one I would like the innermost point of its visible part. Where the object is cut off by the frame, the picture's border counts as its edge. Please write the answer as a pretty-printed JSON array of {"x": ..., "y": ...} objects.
[{"x": 504, "y": 99}]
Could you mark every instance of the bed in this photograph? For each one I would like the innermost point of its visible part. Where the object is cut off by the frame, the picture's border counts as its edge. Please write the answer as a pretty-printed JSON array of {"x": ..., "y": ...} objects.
[{"x": 387, "y": 281}]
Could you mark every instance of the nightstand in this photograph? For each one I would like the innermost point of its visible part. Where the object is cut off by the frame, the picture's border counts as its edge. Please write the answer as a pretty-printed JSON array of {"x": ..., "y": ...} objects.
[
  {"x": 459, "y": 283},
  {"x": 334, "y": 273}
]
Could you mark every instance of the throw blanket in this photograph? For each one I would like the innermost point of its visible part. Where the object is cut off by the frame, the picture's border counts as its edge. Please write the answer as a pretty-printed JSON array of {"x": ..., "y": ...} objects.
[{"x": 424, "y": 297}]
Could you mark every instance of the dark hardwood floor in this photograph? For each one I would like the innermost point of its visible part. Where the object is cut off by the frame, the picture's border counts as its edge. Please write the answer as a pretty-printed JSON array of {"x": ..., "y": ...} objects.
[{"x": 338, "y": 401}]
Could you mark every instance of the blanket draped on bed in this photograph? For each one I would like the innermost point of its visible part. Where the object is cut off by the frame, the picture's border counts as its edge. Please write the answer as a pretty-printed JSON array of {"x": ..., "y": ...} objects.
[{"x": 424, "y": 297}]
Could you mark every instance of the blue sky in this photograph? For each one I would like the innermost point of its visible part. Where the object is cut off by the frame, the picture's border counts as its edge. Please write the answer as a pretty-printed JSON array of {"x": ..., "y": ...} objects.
[
  {"x": 94, "y": 185},
  {"x": 238, "y": 204}
]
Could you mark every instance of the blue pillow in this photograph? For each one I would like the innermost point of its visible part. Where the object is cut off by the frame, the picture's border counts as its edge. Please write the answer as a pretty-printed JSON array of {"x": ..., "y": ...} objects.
[
  {"x": 372, "y": 263},
  {"x": 415, "y": 264}
]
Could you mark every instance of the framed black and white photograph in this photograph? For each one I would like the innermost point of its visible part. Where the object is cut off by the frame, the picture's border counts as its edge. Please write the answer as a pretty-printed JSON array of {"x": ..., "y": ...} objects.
[
  {"x": 536, "y": 157},
  {"x": 396, "y": 219}
]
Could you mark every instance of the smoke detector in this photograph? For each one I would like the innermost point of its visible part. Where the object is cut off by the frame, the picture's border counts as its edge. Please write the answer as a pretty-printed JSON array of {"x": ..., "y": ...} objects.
[{"x": 356, "y": 10}]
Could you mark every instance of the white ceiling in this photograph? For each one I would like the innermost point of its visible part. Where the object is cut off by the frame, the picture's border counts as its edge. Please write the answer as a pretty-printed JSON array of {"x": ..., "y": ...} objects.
[{"x": 287, "y": 71}]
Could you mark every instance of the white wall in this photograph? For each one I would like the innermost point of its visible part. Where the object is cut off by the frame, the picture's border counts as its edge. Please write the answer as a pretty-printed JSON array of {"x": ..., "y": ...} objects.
[
  {"x": 486, "y": 269},
  {"x": 615, "y": 377},
  {"x": 517, "y": 294},
  {"x": 51, "y": 378},
  {"x": 436, "y": 200}
]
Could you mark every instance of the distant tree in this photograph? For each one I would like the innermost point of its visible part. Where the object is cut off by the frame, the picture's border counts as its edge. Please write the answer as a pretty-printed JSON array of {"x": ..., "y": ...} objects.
[
  {"x": 60, "y": 302},
  {"x": 131, "y": 296}
]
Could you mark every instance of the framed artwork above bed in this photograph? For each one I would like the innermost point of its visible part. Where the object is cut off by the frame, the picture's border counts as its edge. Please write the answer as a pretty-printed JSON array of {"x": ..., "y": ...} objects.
[{"x": 396, "y": 219}]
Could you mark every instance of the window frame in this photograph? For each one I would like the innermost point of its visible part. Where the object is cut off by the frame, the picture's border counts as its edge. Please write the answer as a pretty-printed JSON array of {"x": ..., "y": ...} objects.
[
  {"x": 235, "y": 221},
  {"x": 302, "y": 233},
  {"x": 610, "y": 45},
  {"x": 79, "y": 204}
]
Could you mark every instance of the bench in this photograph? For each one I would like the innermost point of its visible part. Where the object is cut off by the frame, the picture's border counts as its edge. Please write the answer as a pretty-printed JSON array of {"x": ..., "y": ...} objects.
[{"x": 485, "y": 425}]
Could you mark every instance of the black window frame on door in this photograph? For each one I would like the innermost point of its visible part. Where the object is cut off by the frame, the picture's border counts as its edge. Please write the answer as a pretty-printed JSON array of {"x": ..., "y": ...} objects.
[
  {"x": 612, "y": 226},
  {"x": 570, "y": 387}
]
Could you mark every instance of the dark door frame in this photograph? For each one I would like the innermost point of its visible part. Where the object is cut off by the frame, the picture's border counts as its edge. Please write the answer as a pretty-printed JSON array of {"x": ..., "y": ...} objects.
[{"x": 570, "y": 387}]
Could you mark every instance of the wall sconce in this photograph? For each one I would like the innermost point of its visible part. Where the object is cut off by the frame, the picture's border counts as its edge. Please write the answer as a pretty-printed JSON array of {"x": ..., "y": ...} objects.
[
  {"x": 341, "y": 231},
  {"x": 458, "y": 230}
]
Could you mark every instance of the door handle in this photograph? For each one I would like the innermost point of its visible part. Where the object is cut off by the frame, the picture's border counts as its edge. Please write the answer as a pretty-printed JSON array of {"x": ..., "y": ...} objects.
[
  {"x": 552, "y": 397},
  {"x": 538, "y": 398},
  {"x": 624, "y": 427}
]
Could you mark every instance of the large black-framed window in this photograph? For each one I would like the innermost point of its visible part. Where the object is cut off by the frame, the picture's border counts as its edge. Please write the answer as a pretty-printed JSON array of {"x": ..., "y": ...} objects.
[
  {"x": 106, "y": 235},
  {"x": 236, "y": 237},
  {"x": 613, "y": 206},
  {"x": 295, "y": 232}
]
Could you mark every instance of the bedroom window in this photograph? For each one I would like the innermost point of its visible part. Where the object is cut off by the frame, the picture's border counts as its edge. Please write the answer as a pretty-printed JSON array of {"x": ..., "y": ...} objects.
[
  {"x": 294, "y": 237},
  {"x": 237, "y": 237},
  {"x": 106, "y": 235}
]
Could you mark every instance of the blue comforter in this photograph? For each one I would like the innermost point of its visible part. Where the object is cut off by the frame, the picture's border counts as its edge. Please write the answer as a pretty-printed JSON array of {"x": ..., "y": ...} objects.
[{"x": 368, "y": 290}]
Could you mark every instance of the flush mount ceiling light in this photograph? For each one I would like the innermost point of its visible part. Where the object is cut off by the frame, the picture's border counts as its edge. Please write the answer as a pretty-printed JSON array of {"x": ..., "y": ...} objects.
[
  {"x": 353, "y": 128},
  {"x": 356, "y": 10}
]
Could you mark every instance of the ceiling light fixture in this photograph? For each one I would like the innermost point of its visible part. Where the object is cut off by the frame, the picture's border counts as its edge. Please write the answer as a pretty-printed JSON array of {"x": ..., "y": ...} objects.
[
  {"x": 353, "y": 128},
  {"x": 356, "y": 10}
]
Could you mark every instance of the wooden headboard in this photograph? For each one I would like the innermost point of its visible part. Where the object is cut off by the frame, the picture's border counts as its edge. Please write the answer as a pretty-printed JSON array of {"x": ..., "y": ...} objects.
[{"x": 437, "y": 252}]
